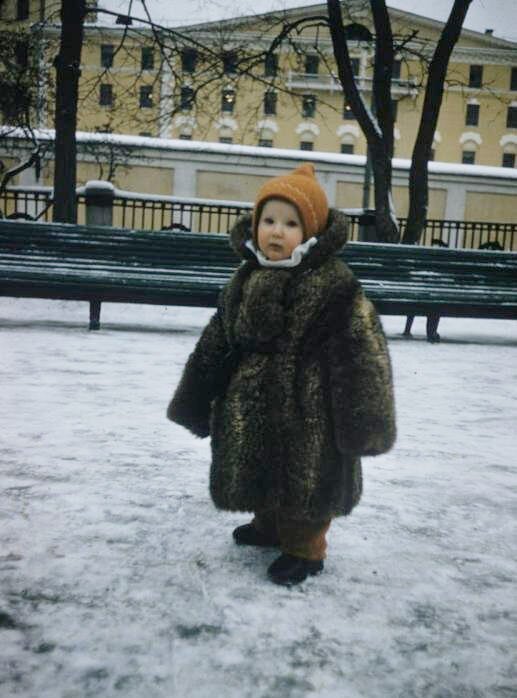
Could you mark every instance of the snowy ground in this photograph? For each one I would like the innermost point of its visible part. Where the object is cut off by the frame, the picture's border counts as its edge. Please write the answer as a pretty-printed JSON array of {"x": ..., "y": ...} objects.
[{"x": 119, "y": 578}]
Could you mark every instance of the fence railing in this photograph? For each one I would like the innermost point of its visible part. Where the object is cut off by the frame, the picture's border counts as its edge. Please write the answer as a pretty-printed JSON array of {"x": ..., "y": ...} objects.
[
  {"x": 155, "y": 212},
  {"x": 174, "y": 213},
  {"x": 30, "y": 203}
]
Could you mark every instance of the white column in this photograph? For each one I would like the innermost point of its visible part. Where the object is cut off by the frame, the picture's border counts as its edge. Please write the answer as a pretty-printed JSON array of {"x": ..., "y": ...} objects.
[
  {"x": 99, "y": 202},
  {"x": 455, "y": 209},
  {"x": 185, "y": 182},
  {"x": 166, "y": 97}
]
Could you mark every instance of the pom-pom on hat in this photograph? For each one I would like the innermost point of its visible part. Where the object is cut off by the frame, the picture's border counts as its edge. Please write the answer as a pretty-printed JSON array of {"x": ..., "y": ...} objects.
[{"x": 300, "y": 188}]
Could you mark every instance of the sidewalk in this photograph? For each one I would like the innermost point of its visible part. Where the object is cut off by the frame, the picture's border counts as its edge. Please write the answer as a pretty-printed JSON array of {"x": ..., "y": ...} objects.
[{"x": 119, "y": 578}]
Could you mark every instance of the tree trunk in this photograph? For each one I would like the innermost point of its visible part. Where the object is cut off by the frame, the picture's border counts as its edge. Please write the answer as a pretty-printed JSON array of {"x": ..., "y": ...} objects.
[
  {"x": 418, "y": 174},
  {"x": 386, "y": 222},
  {"x": 67, "y": 64},
  {"x": 382, "y": 74}
]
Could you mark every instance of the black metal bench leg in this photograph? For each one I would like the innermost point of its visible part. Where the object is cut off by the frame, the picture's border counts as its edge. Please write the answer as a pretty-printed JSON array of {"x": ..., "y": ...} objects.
[
  {"x": 409, "y": 325},
  {"x": 432, "y": 328},
  {"x": 95, "y": 315}
]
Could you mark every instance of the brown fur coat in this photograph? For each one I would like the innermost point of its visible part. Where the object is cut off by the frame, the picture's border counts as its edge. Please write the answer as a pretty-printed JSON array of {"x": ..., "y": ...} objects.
[{"x": 292, "y": 380}]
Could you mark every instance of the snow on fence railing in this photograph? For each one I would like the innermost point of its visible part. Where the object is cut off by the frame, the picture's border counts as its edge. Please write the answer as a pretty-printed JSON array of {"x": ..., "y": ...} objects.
[{"x": 100, "y": 203}]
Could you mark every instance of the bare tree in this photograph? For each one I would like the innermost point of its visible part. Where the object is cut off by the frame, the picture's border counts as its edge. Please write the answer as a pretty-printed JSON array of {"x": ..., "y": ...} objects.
[
  {"x": 378, "y": 127},
  {"x": 378, "y": 130},
  {"x": 418, "y": 175},
  {"x": 67, "y": 64},
  {"x": 218, "y": 65},
  {"x": 110, "y": 157}
]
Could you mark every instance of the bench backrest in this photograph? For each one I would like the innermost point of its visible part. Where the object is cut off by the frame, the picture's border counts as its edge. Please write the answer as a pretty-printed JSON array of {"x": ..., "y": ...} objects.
[
  {"x": 159, "y": 249},
  {"x": 404, "y": 264}
]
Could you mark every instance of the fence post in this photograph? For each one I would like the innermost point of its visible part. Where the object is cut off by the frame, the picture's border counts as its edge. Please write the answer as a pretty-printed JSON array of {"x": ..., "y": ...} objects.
[
  {"x": 367, "y": 227},
  {"x": 99, "y": 202},
  {"x": 99, "y": 211}
]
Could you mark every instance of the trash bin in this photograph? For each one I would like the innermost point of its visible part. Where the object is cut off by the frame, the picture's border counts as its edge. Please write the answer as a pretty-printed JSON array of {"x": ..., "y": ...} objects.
[{"x": 367, "y": 229}]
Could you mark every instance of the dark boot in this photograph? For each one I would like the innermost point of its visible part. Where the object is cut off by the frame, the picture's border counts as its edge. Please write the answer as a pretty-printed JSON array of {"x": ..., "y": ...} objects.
[
  {"x": 249, "y": 535},
  {"x": 288, "y": 569}
]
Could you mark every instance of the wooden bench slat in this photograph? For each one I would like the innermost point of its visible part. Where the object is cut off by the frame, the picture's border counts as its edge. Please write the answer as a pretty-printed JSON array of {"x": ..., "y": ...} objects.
[{"x": 107, "y": 264}]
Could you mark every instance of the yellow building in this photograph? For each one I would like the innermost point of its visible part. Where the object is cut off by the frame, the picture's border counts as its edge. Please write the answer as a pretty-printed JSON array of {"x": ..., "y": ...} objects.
[
  {"x": 130, "y": 84},
  {"x": 478, "y": 120},
  {"x": 140, "y": 83}
]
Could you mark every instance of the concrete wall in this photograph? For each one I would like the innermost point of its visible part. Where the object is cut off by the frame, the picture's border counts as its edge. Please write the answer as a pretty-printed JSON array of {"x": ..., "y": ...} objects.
[{"x": 196, "y": 169}]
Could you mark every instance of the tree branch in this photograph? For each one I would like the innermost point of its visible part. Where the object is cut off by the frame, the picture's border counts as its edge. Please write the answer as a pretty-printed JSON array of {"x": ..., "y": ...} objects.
[
  {"x": 382, "y": 71},
  {"x": 367, "y": 121}
]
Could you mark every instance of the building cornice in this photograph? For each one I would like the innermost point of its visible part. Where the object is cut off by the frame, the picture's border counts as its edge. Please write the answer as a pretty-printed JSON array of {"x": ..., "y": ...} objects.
[{"x": 410, "y": 18}]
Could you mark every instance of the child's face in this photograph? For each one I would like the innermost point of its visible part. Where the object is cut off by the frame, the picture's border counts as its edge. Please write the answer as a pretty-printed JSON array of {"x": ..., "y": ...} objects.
[{"x": 279, "y": 229}]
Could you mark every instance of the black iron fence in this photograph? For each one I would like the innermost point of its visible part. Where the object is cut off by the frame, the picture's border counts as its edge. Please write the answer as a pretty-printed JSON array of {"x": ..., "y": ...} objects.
[
  {"x": 151, "y": 212},
  {"x": 174, "y": 213},
  {"x": 471, "y": 235},
  {"x": 27, "y": 203}
]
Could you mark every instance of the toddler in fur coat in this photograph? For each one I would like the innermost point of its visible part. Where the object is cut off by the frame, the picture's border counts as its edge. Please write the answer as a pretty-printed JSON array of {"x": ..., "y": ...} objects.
[{"x": 291, "y": 378}]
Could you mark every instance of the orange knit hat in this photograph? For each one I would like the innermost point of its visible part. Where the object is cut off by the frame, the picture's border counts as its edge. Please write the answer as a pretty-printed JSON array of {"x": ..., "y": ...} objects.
[{"x": 300, "y": 188}]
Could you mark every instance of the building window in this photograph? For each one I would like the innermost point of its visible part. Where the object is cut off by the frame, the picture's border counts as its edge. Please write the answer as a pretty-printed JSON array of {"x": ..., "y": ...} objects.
[
  {"x": 187, "y": 98},
  {"x": 312, "y": 64},
  {"x": 357, "y": 32},
  {"x": 347, "y": 148},
  {"x": 306, "y": 145},
  {"x": 146, "y": 134},
  {"x": 348, "y": 114},
  {"x": 106, "y": 95},
  {"x": 468, "y": 157},
  {"x": 230, "y": 62},
  {"x": 226, "y": 139},
  {"x": 147, "y": 58},
  {"x": 188, "y": 60},
  {"x": 513, "y": 79},
  {"x": 271, "y": 65},
  {"x": 394, "y": 109},
  {"x": 185, "y": 136},
  {"x": 355, "y": 66},
  {"x": 395, "y": 74},
  {"x": 475, "y": 75},
  {"x": 22, "y": 9},
  {"x": 265, "y": 142},
  {"x": 472, "y": 116},
  {"x": 146, "y": 96},
  {"x": 106, "y": 55},
  {"x": 270, "y": 99},
  {"x": 228, "y": 101},
  {"x": 508, "y": 160},
  {"x": 511, "y": 117},
  {"x": 308, "y": 106}
]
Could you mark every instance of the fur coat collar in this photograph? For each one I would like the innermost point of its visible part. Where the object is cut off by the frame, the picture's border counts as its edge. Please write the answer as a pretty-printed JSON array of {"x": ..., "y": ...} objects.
[{"x": 330, "y": 241}]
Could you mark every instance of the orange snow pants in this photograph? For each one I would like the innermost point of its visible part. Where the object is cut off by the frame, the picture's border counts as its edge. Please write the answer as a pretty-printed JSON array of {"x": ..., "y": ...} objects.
[{"x": 299, "y": 537}]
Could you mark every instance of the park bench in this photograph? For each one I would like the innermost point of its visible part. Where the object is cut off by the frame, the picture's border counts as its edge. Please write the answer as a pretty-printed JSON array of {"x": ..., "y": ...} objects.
[{"x": 102, "y": 264}]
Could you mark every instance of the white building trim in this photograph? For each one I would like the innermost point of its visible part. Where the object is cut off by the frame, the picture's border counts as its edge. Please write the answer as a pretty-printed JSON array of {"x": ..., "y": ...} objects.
[
  {"x": 226, "y": 122},
  {"x": 307, "y": 126},
  {"x": 267, "y": 124},
  {"x": 508, "y": 139},
  {"x": 166, "y": 99},
  {"x": 184, "y": 120},
  {"x": 348, "y": 130},
  {"x": 473, "y": 100},
  {"x": 396, "y": 133},
  {"x": 437, "y": 138},
  {"x": 470, "y": 137}
]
